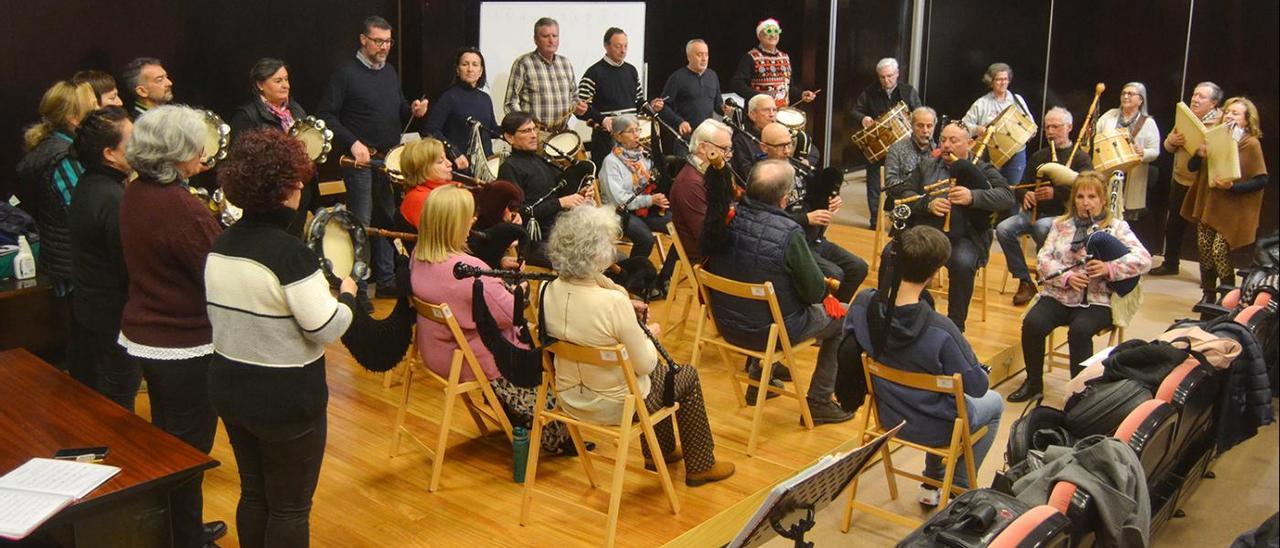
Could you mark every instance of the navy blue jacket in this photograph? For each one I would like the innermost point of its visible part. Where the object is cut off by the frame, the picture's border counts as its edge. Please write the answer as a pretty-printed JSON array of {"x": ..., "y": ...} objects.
[{"x": 920, "y": 340}]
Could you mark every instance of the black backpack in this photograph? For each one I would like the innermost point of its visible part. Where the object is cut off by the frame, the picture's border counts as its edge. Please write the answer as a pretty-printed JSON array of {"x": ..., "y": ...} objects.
[
  {"x": 1038, "y": 428},
  {"x": 1103, "y": 406},
  {"x": 973, "y": 519}
]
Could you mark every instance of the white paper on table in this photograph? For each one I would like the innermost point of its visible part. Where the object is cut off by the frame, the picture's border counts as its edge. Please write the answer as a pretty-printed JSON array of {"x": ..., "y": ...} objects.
[{"x": 58, "y": 477}]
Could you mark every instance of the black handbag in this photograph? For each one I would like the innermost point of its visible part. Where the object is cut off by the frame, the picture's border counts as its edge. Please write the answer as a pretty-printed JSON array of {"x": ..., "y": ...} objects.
[{"x": 972, "y": 520}]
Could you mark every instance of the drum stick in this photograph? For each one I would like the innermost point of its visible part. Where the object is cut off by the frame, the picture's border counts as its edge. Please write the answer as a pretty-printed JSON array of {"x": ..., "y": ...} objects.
[
  {"x": 1088, "y": 121},
  {"x": 815, "y": 96},
  {"x": 412, "y": 117}
]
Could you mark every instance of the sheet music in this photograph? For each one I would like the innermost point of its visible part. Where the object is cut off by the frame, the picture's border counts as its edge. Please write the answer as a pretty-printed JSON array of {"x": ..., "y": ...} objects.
[
  {"x": 21, "y": 512},
  {"x": 1190, "y": 126},
  {"x": 59, "y": 477},
  {"x": 1223, "y": 154}
]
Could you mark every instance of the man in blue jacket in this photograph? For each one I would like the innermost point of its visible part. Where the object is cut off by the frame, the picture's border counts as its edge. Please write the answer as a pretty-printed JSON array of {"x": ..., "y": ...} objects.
[{"x": 904, "y": 332}]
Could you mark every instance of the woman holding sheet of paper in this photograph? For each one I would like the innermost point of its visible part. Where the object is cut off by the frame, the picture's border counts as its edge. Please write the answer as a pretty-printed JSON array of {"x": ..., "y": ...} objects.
[{"x": 1226, "y": 209}]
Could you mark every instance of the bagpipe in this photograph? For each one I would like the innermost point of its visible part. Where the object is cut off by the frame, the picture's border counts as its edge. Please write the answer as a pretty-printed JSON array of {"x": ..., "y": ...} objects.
[{"x": 1102, "y": 245}]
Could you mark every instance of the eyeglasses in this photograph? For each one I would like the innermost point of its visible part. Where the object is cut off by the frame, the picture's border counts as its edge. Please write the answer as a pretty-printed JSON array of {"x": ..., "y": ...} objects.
[
  {"x": 772, "y": 31},
  {"x": 725, "y": 149},
  {"x": 527, "y": 130},
  {"x": 1127, "y": 93},
  {"x": 379, "y": 42},
  {"x": 787, "y": 144}
]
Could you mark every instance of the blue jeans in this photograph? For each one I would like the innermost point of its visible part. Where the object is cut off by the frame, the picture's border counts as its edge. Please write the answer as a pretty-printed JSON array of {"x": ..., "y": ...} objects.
[
  {"x": 1007, "y": 233},
  {"x": 984, "y": 411},
  {"x": 370, "y": 199},
  {"x": 1012, "y": 172}
]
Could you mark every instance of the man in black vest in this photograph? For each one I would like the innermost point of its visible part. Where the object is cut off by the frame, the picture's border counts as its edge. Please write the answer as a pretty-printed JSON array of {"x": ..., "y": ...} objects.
[
  {"x": 763, "y": 243},
  {"x": 366, "y": 109}
]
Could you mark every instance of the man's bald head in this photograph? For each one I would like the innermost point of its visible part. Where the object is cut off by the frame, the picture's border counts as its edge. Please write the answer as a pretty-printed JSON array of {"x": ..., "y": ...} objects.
[
  {"x": 775, "y": 141},
  {"x": 770, "y": 181}
]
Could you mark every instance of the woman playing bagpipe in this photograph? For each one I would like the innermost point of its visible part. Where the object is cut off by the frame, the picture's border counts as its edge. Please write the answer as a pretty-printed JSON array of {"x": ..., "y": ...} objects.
[{"x": 1090, "y": 261}]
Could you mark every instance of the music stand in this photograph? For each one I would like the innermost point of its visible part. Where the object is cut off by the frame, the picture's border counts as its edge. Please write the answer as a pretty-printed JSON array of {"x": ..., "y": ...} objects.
[{"x": 806, "y": 492}]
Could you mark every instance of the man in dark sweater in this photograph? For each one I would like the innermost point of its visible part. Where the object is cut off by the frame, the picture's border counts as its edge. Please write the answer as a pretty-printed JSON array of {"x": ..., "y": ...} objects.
[
  {"x": 609, "y": 88},
  {"x": 874, "y": 101},
  {"x": 100, "y": 279},
  {"x": 1047, "y": 201},
  {"x": 536, "y": 177},
  {"x": 762, "y": 243},
  {"x": 149, "y": 83},
  {"x": 694, "y": 92},
  {"x": 979, "y": 191},
  {"x": 366, "y": 109},
  {"x": 899, "y": 330}
]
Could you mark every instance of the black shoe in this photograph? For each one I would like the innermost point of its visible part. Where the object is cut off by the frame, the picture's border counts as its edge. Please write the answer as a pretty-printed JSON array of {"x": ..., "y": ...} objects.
[
  {"x": 567, "y": 449},
  {"x": 1028, "y": 391},
  {"x": 387, "y": 292},
  {"x": 753, "y": 392},
  {"x": 827, "y": 412},
  {"x": 362, "y": 300},
  {"x": 1168, "y": 268},
  {"x": 779, "y": 372},
  {"x": 1209, "y": 297},
  {"x": 214, "y": 530}
]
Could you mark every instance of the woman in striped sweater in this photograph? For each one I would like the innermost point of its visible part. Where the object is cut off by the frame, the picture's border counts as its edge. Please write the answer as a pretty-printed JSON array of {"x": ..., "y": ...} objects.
[{"x": 272, "y": 314}]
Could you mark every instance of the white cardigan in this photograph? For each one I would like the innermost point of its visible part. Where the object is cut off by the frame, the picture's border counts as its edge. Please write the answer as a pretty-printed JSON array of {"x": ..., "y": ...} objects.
[{"x": 1148, "y": 139}]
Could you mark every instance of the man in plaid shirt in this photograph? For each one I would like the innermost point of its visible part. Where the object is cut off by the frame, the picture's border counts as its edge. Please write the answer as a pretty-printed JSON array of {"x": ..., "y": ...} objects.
[{"x": 542, "y": 82}]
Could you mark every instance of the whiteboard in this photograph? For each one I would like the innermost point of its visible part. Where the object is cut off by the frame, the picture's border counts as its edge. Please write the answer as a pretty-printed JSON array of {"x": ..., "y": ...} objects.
[{"x": 506, "y": 32}]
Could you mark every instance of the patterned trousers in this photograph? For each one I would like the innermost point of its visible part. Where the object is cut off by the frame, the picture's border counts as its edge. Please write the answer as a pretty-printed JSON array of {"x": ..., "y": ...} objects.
[
  {"x": 518, "y": 403},
  {"x": 695, "y": 431},
  {"x": 1215, "y": 261}
]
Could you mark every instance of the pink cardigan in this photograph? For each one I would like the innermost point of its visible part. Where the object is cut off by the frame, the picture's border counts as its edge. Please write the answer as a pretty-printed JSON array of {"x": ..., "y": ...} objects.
[
  {"x": 434, "y": 283},
  {"x": 1056, "y": 254}
]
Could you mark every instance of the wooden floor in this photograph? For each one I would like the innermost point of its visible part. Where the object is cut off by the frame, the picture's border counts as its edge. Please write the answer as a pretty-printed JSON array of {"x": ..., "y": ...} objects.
[{"x": 366, "y": 498}]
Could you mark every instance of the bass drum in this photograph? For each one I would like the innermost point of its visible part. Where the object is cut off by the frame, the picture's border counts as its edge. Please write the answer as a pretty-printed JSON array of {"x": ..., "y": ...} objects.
[{"x": 340, "y": 240}]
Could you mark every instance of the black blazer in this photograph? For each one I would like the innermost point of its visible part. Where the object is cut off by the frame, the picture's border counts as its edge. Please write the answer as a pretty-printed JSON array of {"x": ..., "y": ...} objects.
[{"x": 255, "y": 114}]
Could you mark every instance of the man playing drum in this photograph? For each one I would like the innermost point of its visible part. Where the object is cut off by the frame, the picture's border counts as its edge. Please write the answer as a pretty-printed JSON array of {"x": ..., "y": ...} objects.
[
  {"x": 874, "y": 101},
  {"x": 542, "y": 81},
  {"x": 610, "y": 87},
  {"x": 366, "y": 108}
]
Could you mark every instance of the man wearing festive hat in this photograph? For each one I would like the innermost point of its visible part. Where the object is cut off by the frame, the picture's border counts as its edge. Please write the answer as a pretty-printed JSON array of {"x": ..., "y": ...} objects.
[{"x": 766, "y": 69}]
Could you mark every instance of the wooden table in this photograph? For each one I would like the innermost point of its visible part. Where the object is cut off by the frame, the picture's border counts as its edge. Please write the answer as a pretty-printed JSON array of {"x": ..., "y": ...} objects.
[{"x": 44, "y": 410}]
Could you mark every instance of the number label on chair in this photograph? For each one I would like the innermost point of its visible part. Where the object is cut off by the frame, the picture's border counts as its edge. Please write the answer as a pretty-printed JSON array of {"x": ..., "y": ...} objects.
[
  {"x": 441, "y": 313},
  {"x": 757, "y": 291},
  {"x": 609, "y": 355},
  {"x": 946, "y": 383}
]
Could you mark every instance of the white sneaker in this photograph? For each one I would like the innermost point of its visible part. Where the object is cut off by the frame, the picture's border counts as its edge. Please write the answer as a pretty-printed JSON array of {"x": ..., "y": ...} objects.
[{"x": 929, "y": 496}]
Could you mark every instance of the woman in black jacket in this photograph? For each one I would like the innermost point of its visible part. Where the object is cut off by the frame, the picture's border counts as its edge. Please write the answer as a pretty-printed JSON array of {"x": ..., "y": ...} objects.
[{"x": 272, "y": 106}]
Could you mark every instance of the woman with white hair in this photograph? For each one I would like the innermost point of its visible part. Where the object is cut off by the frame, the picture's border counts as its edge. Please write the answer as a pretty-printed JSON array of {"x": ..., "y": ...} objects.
[
  {"x": 985, "y": 110},
  {"x": 584, "y": 307},
  {"x": 627, "y": 179},
  {"x": 1132, "y": 116},
  {"x": 166, "y": 234}
]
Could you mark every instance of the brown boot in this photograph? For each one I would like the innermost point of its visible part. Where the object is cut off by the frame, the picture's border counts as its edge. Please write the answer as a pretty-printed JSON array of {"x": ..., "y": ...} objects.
[
  {"x": 669, "y": 458},
  {"x": 1026, "y": 292},
  {"x": 718, "y": 471}
]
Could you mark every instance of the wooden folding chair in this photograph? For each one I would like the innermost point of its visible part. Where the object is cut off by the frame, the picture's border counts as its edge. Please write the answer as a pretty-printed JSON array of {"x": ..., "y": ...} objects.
[
  {"x": 634, "y": 413},
  {"x": 487, "y": 409},
  {"x": 1055, "y": 348},
  {"x": 882, "y": 230},
  {"x": 777, "y": 340},
  {"x": 961, "y": 440},
  {"x": 681, "y": 278}
]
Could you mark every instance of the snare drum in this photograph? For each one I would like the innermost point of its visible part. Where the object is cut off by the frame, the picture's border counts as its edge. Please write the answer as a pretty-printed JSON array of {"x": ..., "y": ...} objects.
[
  {"x": 316, "y": 138},
  {"x": 217, "y": 135},
  {"x": 892, "y": 126},
  {"x": 339, "y": 239},
  {"x": 1113, "y": 150},
  {"x": 391, "y": 165},
  {"x": 564, "y": 147},
  {"x": 792, "y": 117},
  {"x": 1010, "y": 132},
  {"x": 644, "y": 129}
]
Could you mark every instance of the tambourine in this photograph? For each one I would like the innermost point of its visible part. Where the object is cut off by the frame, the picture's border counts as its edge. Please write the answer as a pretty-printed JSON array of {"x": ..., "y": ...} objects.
[
  {"x": 316, "y": 138},
  {"x": 217, "y": 135},
  {"x": 227, "y": 213},
  {"x": 338, "y": 237}
]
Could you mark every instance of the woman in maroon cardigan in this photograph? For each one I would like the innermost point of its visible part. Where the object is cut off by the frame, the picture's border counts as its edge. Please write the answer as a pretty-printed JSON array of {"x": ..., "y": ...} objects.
[{"x": 166, "y": 234}]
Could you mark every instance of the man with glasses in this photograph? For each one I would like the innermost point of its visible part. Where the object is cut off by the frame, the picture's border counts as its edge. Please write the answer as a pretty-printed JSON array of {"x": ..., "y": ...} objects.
[
  {"x": 767, "y": 70},
  {"x": 979, "y": 191},
  {"x": 813, "y": 214},
  {"x": 536, "y": 177},
  {"x": 366, "y": 108},
  {"x": 875, "y": 100},
  {"x": 542, "y": 82},
  {"x": 1047, "y": 201},
  {"x": 711, "y": 142}
]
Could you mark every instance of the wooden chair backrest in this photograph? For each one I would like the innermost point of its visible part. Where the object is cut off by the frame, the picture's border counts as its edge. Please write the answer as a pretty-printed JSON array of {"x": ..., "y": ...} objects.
[
  {"x": 443, "y": 315},
  {"x": 601, "y": 356},
  {"x": 708, "y": 282},
  {"x": 942, "y": 384}
]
